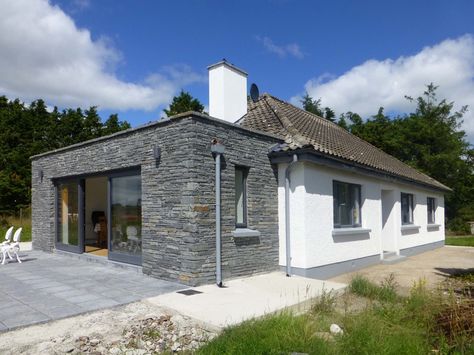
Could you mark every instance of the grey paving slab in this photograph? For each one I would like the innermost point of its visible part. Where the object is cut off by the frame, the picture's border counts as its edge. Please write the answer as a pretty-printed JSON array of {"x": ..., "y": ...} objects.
[{"x": 50, "y": 286}]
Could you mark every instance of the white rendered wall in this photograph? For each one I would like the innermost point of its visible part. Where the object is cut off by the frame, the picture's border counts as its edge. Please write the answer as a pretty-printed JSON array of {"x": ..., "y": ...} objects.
[
  {"x": 311, "y": 218},
  {"x": 227, "y": 92}
]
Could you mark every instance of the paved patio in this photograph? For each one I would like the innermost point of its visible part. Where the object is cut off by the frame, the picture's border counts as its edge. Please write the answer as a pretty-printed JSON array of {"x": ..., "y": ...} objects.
[{"x": 50, "y": 286}]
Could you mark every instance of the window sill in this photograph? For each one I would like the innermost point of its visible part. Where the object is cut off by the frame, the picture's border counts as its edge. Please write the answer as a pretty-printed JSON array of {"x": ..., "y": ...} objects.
[
  {"x": 407, "y": 227},
  {"x": 433, "y": 226},
  {"x": 350, "y": 231},
  {"x": 245, "y": 232}
]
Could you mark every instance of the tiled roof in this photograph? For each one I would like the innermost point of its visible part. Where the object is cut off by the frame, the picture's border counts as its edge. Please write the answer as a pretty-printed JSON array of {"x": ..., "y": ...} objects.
[{"x": 301, "y": 129}]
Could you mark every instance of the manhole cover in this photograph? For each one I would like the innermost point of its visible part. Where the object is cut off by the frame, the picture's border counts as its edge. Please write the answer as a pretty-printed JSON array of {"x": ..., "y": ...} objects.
[{"x": 189, "y": 292}]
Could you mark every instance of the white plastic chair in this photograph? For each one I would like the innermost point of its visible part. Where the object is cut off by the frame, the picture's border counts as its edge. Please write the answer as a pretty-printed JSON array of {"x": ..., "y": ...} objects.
[
  {"x": 8, "y": 236},
  {"x": 134, "y": 238},
  {"x": 12, "y": 248}
]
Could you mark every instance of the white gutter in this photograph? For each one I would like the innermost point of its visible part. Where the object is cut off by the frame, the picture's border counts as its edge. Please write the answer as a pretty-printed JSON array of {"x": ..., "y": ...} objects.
[{"x": 287, "y": 213}]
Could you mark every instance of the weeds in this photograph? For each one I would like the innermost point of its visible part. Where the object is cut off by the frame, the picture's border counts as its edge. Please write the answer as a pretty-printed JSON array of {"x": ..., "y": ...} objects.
[
  {"x": 361, "y": 286},
  {"x": 325, "y": 303}
]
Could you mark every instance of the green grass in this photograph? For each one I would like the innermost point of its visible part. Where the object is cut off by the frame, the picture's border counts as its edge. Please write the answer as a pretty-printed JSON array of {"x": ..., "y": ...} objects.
[
  {"x": 25, "y": 223},
  {"x": 460, "y": 241},
  {"x": 393, "y": 325},
  {"x": 386, "y": 291}
]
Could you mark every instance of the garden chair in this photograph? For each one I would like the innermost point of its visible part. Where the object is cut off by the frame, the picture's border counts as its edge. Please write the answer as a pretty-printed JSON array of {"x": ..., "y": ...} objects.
[
  {"x": 12, "y": 248},
  {"x": 8, "y": 236}
]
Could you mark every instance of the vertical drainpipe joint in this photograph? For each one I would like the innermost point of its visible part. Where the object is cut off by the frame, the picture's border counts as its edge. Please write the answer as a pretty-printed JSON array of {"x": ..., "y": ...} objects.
[{"x": 218, "y": 149}]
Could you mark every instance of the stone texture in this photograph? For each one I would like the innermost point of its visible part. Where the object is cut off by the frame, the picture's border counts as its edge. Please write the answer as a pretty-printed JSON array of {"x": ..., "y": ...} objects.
[{"x": 178, "y": 195}]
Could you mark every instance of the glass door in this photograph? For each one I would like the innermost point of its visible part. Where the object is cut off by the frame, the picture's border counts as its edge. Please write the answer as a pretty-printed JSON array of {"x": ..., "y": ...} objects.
[
  {"x": 125, "y": 211},
  {"x": 69, "y": 202}
]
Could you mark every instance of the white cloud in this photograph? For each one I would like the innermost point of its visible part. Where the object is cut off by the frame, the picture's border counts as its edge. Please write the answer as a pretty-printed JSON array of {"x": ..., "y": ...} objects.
[
  {"x": 291, "y": 49},
  {"x": 362, "y": 89},
  {"x": 44, "y": 55}
]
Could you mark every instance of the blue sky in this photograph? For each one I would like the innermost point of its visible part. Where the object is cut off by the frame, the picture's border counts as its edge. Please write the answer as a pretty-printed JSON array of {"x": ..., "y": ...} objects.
[{"x": 138, "y": 54}]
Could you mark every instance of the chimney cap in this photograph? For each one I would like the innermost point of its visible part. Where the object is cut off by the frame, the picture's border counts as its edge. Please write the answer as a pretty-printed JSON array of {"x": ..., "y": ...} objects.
[{"x": 224, "y": 62}]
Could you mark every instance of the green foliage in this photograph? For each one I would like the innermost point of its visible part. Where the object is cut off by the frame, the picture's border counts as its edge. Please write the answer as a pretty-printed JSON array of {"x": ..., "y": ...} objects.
[
  {"x": 386, "y": 291},
  {"x": 314, "y": 106},
  {"x": 325, "y": 303},
  {"x": 464, "y": 241},
  {"x": 30, "y": 130},
  {"x": 184, "y": 102}
]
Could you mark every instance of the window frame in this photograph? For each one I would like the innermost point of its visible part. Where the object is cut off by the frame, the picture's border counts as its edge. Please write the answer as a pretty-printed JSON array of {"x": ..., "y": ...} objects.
[
  {"x": 245, "y": 172},
  {"x": 338, "y": 224},
  {"x": 431, "y": 212},
  {"x": 411, "y": 208}
]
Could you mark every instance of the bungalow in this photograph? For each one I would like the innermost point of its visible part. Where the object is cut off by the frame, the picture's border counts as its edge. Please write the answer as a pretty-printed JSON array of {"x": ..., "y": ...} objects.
[{"x": 257, "y": 185}]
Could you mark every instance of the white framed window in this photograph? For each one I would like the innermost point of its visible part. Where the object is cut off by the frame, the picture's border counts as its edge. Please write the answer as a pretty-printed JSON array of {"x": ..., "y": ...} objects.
[
  {"x": 431, "y": 205},
  {"x": 346, "y": 199},
  {"x": 407, "y": 208}
]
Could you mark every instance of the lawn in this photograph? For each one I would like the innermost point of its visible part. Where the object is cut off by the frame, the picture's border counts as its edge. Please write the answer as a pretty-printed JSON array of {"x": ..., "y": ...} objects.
[
  {"x": 421, "y": 323},
  {"x": 460, "y": 241},
  {"x": 25, "y": 223}
]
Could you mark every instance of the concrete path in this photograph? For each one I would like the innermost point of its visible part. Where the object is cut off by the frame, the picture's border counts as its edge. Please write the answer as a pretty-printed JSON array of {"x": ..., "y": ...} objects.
[
  {"x": 47, "y": 286},
  {"x": 245, "y": 298},
  {"x": 433, "y": 266}
]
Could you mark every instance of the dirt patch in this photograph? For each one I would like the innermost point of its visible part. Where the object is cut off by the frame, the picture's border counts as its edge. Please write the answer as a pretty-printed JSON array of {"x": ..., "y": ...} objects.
[{"x": 137, "y": 328}]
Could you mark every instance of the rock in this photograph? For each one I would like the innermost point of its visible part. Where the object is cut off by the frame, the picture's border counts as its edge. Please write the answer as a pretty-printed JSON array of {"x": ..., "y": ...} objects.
[
  {"x": 325, "y": 335},
  {"x": 94, "y": 342},
  {"x": 335, "y": 329},
  {"x": 115, "y": 351},
  {"x": 69, "y": 349}
]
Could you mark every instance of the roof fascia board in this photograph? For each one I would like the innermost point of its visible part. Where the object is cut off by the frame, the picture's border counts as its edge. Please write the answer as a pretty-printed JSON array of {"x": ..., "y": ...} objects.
[{"x": 314, "y": 157}]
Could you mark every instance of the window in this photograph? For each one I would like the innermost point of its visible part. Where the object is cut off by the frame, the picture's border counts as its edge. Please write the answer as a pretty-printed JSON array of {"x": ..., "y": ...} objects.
[
  {"x": 346, "y": 205},
  {"x": 241, "y": 196},
  {"x": 431, "y": 204},
  {"x": 407, "y": 208}
]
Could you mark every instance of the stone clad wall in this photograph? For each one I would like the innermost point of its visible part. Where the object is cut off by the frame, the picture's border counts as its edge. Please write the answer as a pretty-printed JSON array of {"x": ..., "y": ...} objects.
[{"x": 178, "y": 211}]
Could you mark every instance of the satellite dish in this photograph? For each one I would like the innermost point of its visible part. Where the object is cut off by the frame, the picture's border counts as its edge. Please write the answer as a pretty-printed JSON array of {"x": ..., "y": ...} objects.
[{"x": 254, "y": 94}]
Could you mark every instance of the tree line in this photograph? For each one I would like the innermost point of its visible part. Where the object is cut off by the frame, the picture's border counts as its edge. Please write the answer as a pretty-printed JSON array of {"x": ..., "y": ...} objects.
[
  {"x": 429, "y": 139},
  {"x": 27, "y": 130}
]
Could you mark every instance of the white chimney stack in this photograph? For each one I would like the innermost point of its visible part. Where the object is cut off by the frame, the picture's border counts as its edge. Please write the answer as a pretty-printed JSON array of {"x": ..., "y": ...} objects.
[{"x": 227, "y": 91}]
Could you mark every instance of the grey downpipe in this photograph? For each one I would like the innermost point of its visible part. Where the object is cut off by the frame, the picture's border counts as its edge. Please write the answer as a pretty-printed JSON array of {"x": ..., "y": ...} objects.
[
  {"x": 218, "y": 150},
  {"x": 287, "y": 214}
]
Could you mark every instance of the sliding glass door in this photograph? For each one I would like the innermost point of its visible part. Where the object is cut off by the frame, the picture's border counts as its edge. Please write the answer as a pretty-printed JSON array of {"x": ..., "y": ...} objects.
[
  {"x": 70, "y": 223},
  {"x": 125, "y": 195}
]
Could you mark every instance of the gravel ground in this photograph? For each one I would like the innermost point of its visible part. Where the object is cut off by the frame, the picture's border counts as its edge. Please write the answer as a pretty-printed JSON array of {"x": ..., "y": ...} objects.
[{"x": 137, "y": 328}]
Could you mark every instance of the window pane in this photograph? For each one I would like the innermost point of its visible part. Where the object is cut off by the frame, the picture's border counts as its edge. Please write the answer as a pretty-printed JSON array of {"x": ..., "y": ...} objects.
[
  {"x": 407, "y": 208},
  {"x": 239, "y": 196},
  {"x": 126, "y": 218},
  {"x": 68, "y": 215},
  {"x": 431, "y": 203},
  {"x": 346, "y": 204}
]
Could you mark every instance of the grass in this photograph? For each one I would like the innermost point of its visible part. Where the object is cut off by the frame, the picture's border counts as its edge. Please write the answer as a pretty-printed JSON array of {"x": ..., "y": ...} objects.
[
  {"x": 385, "y": 292},
  {"x": 391, "y": 325},
  {"x": 25, "y": 223},
  {"x": 460, "y": 241}
]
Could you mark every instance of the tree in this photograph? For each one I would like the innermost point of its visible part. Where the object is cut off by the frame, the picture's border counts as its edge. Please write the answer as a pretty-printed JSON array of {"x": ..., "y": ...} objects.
[
  {"x": 30, "y": 130},
  {"x": 182, "y": 103},
  {"x": 314, "y": 106}
]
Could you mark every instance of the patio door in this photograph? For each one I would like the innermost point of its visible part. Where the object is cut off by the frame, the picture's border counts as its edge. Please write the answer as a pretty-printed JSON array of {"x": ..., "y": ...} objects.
[
  {"x": 125, "y": 211},
  {"x": 70, "y": 216}
]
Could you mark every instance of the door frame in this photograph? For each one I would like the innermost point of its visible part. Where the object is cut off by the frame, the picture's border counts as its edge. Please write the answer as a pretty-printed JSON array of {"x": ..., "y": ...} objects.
[{"x": 80, "y": 181}]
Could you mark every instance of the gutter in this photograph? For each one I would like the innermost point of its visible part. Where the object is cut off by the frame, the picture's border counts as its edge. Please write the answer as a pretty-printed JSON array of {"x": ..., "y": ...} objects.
[
  {"x": 287, "y": 213},
  {"x": 218, "y": 149}
]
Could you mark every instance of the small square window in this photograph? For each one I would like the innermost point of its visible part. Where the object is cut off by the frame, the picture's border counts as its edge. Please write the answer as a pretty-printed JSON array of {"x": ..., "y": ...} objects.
[
  {"x": 431, "y": 205},
  {"x": 407, "y": 208},
  {"x": 346, "y": 205},
  {"x": 241, "y": 196}
]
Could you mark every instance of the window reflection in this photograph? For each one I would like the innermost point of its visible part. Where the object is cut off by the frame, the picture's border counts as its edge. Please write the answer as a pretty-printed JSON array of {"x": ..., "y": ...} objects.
[{"x": 126, "y": 215}]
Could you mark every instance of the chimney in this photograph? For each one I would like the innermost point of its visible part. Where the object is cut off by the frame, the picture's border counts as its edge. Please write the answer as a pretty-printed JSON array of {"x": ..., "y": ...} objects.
[{"x": 227, "y": 91}]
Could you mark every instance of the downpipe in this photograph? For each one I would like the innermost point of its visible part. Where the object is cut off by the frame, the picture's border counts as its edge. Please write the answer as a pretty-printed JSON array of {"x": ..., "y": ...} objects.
[
  {"x": 218, "y": 149},
  {"x": 287, "y": 213}
]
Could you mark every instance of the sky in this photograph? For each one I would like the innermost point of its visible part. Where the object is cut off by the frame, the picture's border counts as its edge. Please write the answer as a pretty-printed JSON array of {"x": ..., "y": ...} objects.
[{"x": 132, "y": 56}]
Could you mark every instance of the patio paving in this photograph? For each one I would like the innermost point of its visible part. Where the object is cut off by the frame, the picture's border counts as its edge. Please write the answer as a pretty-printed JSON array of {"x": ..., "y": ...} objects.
[{"x": 48, "y": 286}]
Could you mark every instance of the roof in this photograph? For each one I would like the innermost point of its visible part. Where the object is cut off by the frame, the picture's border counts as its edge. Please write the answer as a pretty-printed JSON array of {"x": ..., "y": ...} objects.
[{"x": 302, "y": 129}]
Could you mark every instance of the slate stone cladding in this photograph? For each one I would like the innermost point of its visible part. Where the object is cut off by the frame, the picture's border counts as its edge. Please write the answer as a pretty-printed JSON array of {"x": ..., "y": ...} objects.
[{"x": 178, "y": 195}]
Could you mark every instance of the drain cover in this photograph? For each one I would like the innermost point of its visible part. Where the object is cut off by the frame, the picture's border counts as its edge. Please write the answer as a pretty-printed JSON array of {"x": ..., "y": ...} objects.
[{"x": 189, "y": 292}]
